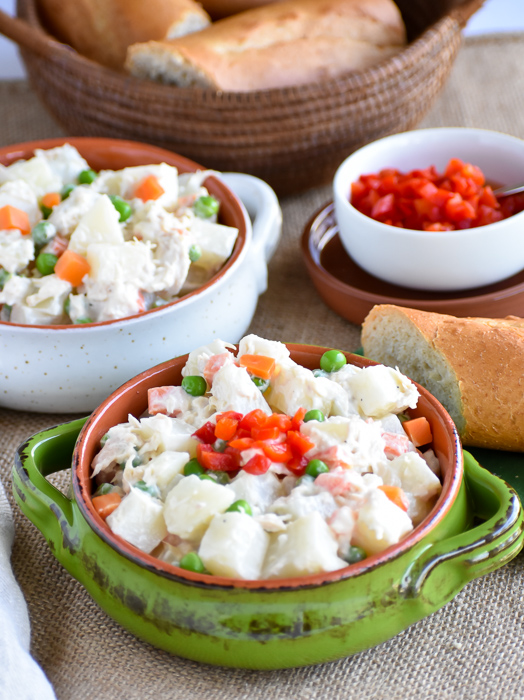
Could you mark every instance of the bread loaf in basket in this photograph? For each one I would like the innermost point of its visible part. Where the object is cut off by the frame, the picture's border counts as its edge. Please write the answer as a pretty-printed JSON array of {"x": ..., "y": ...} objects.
[{"x": 294, "y": 137}]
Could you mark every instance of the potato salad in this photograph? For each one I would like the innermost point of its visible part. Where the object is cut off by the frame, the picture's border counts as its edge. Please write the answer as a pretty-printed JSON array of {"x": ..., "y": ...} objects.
[
  {"x": 258, "y": 468},
  {"x": 77, "y": 246}
]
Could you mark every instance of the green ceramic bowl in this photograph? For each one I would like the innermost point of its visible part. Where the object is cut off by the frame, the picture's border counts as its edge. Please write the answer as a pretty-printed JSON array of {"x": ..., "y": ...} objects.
[{"x": 267, "y": 624}]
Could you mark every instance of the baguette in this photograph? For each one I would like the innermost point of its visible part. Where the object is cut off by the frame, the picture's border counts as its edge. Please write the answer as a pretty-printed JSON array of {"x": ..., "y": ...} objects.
[
  {"x": 279, "y": 45},
  {"x": 103, "y": 29},
  {"x": 473, "y": 366}
]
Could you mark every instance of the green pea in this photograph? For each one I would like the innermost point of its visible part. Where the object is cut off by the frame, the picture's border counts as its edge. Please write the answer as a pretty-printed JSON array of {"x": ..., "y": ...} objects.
[
  {"x": 219, "y": 477},
  {"x": 192, "y": 562},
  {"x": 305, "y": 479},
  {"x": 206, "y": 477},
  {"x": 206, "y": 206},
  {"x": 150, "y": 489},
  {"x": 240, "y": 506},
  {"x": 86, "y": 177},
  {"x": 314, "y": 414},
  {"x": 195, "y": 252},
  {"x": 316, "y": 467},
  {"x": 194, "y": 385},
  {"x": 66, "y": 191},
  {"x": 42, "y": 233},
  {"x": 122, "y": 207},
  {"x": 193, "y": 467},
  {"x": 263, "y": 384},
  {"x": 4, "y": 276},
  {"x": 159, "y": 302},
  {"x": 355, "y": 554},
  {"x": 45, "y": 263},
  {"x": 104, "y": 489},
  {"x": 320, "y": 373},
  {"x": 85, "y": 319},
  {"x": 137, "y": 461},
  {"x": 104, "y": 439},
  {"x": 219, "y": 445},
  {"x": 332, "y": 361},
  {"x": 46, "y": 211}
]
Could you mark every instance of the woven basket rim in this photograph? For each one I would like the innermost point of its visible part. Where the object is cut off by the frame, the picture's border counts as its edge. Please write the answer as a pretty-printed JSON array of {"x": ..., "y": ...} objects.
[{"x": 450, "y": 23}]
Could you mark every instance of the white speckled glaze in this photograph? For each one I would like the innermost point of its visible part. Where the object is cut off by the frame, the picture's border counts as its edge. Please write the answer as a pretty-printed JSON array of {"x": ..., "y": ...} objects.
[
  {"x": 428, "y": 260},
  {"x": 72, "y": 369}
]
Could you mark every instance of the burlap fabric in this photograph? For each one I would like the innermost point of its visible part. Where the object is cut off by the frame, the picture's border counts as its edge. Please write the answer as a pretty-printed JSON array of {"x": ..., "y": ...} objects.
[{"x": 472, "y": 648}]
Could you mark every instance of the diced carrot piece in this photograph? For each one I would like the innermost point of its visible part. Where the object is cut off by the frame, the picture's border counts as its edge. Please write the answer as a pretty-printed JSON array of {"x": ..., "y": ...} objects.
[
  {"x": 418, "y": 431},
  {"x": 51, "y": 199},
  {"x": 149, "y": 188},
  {"x": 396, "y": 495},
  {"x": 259, "y": 365},
  {"x": 11, "y": 217},
  {"x": 106, "y": 504},
  {"x": 243, "y": 443},
  {"x": 72, "y": 267},
  {"x": 226, "y": 428}
]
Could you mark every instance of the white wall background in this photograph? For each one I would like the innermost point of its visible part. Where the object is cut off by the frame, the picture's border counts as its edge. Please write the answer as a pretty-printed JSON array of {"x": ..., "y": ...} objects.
[{"x": 494, "y": 16}]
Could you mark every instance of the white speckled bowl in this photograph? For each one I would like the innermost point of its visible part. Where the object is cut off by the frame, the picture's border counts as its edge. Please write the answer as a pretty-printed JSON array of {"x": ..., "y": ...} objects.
[
  {"x": 73, "y": 368},
  {"x": 436, "y": 261}
]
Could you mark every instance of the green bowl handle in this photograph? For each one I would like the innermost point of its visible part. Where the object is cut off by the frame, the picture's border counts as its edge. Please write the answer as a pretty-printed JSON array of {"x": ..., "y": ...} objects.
[
  {"x": 41, "y": 455},
  {"x": 451, "y": 563}
]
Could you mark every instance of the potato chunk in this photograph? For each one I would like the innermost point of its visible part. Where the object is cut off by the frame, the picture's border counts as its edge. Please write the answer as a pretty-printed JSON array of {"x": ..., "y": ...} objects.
[
  {"x": 234, "y": 545},
  {"x": 379, "y": 390},
  {"x": 192, "y": 504},
  {"x": 139, "y": 520},
  {"x": 380, "y": 524},
  {"x": 306, "y": 547}
]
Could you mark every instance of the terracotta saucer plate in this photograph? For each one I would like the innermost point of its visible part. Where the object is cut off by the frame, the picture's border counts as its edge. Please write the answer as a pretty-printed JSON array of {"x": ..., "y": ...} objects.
[{"x": 351, "y": 292}]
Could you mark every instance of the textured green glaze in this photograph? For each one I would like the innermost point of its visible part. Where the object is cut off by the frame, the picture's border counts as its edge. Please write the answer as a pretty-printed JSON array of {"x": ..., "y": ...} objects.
[{"x": 278, "y": 628}]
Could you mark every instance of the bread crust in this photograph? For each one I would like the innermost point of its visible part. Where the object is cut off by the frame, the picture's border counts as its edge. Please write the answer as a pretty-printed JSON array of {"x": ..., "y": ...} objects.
[
  {"x": 486, "y": 358},
  {"x": 218, "y": 9},
  {"x": 103, "y": 29},
  {"x": 279, "y": 45}
]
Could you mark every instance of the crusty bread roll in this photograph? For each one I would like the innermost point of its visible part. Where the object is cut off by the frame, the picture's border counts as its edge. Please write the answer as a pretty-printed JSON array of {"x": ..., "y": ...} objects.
[
  {"x": 278, "y": 45},
  {"x": 474, "y": 367},
  {"x": 103, "y": 29},
  {"x": 218, "y": 9}
]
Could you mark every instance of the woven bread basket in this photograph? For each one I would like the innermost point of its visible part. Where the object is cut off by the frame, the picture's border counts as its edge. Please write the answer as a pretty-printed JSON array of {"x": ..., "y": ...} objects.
[{"x": 294, "y": 138}]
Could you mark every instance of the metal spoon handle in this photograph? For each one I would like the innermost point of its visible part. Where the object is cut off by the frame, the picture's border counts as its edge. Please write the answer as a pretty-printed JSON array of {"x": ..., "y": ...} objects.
[{"x": 508, "y": 189}]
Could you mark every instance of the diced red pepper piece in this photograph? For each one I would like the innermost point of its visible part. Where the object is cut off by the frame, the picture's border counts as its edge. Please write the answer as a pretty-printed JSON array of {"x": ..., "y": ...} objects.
[
  {"x": 297, "y": 465},
  {"x": 253, "y": 419},
  {"x": 298, "y": 419},
  {"x": 258, "y": 464},
  {"x": 206, "y": 433},
  {"x": 280, "y": 421},
  {"x": 265, "y": 433},
  {"x": 299, "y": 443},
  {"x": 217, "y": 461},
  {"x": 276, "y": 451}
]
